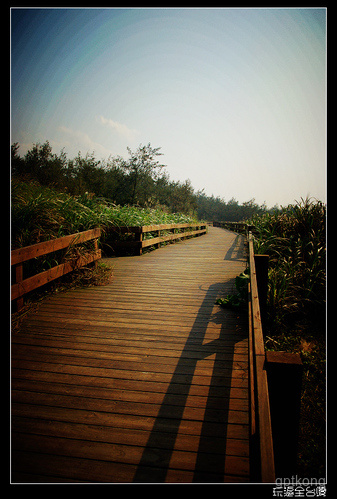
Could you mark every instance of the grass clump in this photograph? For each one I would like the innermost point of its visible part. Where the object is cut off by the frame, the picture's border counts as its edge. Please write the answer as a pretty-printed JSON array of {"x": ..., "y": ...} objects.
[
  {"x": 40, "y": 213},
  {"x": 295, "y": 240}
]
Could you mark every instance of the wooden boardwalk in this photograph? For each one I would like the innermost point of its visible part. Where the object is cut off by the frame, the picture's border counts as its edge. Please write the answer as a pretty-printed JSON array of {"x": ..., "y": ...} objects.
[{"x": 142, "y": 380}]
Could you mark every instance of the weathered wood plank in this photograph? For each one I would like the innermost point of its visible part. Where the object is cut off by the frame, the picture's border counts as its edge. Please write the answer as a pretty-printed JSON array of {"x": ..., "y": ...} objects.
[
  {"x": 237, "y": 400},
  {"x": 94, "y": 471},
  {"x": 126, "y": 407},
  {"x": 84, "y": 358},
  {"x": 126, "y": 436},
  {"x": 34, "y": 336},
  {"x": 223, "y": 379},
  {"x": 124, "y": 384},
  {"x": 235, "y": 430},
  {"x": 126, "y": 454},
  {"x": 166, "y": 354}
]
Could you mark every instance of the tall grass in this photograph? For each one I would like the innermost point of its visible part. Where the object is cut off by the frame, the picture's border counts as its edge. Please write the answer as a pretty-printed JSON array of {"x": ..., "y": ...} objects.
[
  {"x": 41, "y": 213},
  {"x": 295, "y": 240}
]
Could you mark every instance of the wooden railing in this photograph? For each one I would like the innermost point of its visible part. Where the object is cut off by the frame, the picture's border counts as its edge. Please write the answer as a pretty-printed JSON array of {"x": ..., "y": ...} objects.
[
  {"x": 23, "y": 286},
  {"x": 141, "y": 233},
  {"x": 261, "y": 428},
  {"x": 18, "y": 256},
  {"x": 235, "y": 226},
  {"x": 262, "y": 450},
  {"x": 273, "y": 377}
]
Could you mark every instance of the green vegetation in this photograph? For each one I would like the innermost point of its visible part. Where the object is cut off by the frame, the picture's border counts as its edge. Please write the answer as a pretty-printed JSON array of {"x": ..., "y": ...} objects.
[
  {"x": 41, "y": 213},
  {"x": 139, "y": 180},
  {"x": 217, "y": 209},
  {"x": 295, "y": 240},
  {"x": 239, "y": 299}
]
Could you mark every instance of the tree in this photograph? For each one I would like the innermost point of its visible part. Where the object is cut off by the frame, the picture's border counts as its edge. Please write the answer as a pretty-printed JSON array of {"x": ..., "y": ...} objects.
[
  {"x": 87, "y": 174},
  {"x": 143, "y": 169},
  {"x": 181, "y": 198},
  {"x": 41, "y": 164},
  {"x": 17, "y": 163}
]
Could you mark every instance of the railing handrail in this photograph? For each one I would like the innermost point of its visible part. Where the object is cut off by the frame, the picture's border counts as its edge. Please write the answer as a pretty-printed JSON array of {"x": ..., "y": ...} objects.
[
  {"x": 26, "y": 253},
  {"x": 230, "y": 225},
  {"x": 136, "y": 229},
  {"x": 19, "y": 256},
  {"x": 260, "y": 419}
]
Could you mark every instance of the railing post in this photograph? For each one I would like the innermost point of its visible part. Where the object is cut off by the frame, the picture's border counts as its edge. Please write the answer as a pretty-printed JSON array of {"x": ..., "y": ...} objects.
[
  {"x": 19, "y": 278},
  {"x": 139, "y": 239},
  {"x": 96, "y": 249},
  {"x": 284, "y": 372}
]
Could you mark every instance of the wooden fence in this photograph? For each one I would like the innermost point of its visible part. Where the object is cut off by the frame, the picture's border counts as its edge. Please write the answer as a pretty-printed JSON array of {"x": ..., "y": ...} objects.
[
  {"x": 18, "y": 256},
  {"x": 159, "y": 234}
]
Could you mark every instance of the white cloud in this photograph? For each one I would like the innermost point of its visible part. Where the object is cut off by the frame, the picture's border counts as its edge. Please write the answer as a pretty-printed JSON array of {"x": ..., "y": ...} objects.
[
  {"x": 80, "y": 141},
  {"x": 121, "y": 129}
]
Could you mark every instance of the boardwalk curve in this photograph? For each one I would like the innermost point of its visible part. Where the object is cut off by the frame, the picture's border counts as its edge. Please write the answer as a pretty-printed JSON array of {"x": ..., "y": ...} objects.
[{"x": 141, "y": 380}]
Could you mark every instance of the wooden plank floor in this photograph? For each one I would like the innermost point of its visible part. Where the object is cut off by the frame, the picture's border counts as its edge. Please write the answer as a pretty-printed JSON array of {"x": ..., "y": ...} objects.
[{"x": 142, "y": 380}]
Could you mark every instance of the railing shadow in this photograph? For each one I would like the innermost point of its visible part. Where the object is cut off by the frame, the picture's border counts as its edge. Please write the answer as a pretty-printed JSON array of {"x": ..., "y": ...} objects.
[
  {"x": 210, "y": 462},
  {"x": 238, "y": 250}
]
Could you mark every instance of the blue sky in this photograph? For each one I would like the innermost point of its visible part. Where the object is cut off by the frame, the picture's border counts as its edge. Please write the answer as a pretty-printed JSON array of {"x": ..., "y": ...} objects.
[{"x": 235, "y": 98}]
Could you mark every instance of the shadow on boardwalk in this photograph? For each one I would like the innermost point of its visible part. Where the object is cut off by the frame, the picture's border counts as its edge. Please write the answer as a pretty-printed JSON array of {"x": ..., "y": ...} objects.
[
  {"x": 238, "y": 250},
  {"x": 209, "y": 467}
]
